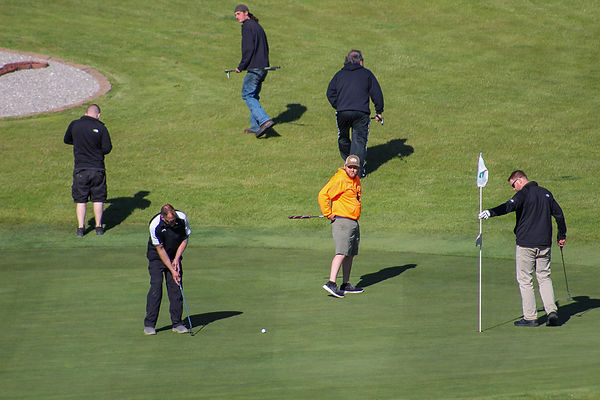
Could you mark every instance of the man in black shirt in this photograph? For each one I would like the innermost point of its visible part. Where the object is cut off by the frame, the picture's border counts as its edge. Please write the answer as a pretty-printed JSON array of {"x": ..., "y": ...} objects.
[
  {"x": 255, "y": 58},
  {"x": 91, "y": 142},
  {"x": 169, "y": 232},
  {"x": 349, "y": 92},
  {"x": 534, "y": 206}
]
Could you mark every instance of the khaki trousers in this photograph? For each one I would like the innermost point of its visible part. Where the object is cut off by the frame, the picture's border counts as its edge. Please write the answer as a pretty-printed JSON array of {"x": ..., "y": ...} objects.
[{"x": 529, "y": 259}]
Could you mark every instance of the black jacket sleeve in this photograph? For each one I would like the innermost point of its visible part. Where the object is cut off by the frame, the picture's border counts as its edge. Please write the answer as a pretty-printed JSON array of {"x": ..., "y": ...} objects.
[
  {"x": 69, "y": 134},
  {"x": 559, "y": 217},
  {"x": 332, "y": 92},
  {"x": 376, "y": 94}
]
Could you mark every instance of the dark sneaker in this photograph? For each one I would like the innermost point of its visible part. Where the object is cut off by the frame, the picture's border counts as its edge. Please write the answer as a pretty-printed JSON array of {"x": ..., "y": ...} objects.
[
  {"x": 263, "y": 128},
  {"x": 552, "y": 319},
  {"x": 180, "y": 329},
  {"x": 348, "y": 288},
  {"x": 527, "y": 322},
  {"x": 148, "y": 330},
  {"x": 80, "y": 232},
  {"x": 332, "y": 288},
  {"x": 99, "y": 230}
]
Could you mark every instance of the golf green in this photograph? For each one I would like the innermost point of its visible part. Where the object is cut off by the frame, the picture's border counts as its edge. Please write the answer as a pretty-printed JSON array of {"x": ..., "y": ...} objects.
[{"x": 74, "y": 329}]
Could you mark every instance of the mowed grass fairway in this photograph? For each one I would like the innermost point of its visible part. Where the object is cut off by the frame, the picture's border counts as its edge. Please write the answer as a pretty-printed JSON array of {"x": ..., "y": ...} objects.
[{"x": 516, "y": 80}]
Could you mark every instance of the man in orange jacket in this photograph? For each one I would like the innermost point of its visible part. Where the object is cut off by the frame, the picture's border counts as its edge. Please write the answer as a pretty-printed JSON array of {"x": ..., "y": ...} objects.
[{"x": 340, "y": 202}]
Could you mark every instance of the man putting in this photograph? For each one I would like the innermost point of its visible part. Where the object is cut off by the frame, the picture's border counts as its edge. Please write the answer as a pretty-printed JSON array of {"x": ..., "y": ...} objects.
[
  {"x": 169, "y": 232},
  {"x": 533, "y": 206},
  {"x": 340, "y": 201}
]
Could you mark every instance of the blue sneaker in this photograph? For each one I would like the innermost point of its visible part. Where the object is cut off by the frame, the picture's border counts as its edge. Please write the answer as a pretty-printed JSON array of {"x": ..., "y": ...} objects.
[
  {"x": 332, "y": 288},
  {"x": 348, "y": 288}
]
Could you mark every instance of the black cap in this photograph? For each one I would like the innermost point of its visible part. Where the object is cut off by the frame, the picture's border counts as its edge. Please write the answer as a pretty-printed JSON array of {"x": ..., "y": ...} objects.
[{"x": 241, "y": 7}]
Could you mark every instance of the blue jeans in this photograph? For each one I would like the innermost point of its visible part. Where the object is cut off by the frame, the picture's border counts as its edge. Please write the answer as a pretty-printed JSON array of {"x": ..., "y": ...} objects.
[{"x": 250, "y": 94}]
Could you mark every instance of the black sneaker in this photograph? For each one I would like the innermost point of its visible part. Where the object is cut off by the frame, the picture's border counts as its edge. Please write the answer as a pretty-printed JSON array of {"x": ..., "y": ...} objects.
[
  {"x": 332, "y": 288},
  {"x": 527, "y": 322},
  {"x": 80, "y": 232},
  {"x": 99, "y": 230},
  {"x": 552, "y": 319},
  {"x": 348, "y": 288}
]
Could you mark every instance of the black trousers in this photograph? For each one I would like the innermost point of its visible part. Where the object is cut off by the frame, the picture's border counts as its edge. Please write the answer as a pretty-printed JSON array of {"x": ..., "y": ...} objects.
[
  {"x": 157, "y": 271},
  {"x": 360, "y": 123}
]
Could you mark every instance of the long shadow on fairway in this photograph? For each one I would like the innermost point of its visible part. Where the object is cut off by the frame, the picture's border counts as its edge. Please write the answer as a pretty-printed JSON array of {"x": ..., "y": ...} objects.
[
  {"x": 205, "y": 319},
  {"x": 382, "y": 153},
  {"x": 580, "y": 306},
  {"x": 382, "y": 275},
  {"x": 120, "y": 208},
  {"x": 294, "y": 112}
]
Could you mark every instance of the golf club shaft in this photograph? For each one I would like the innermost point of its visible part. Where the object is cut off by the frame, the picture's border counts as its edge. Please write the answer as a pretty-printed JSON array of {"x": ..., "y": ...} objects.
[
  {"x": 227, "y": 71},
  {"x": 186, "y": 307},
  {"x": 565, "y": 271},
  {"x": 305, "y": 216}
]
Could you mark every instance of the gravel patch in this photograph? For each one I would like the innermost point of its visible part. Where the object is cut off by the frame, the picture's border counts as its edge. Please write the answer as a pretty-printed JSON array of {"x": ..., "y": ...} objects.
[{"x": 61, "y": 85}]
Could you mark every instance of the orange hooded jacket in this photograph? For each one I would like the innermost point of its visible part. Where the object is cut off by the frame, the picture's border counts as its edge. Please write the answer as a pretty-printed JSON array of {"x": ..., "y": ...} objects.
[{"x": 341, "y": 196}]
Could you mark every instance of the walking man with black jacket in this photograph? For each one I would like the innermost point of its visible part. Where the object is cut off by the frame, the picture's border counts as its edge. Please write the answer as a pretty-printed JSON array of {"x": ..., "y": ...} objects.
[
  {"x": 91, "y": 142},
  {"x": 534, "y": 206},
  {"x": 349, "y": 92},
  {"x": 255, "y": 58}
]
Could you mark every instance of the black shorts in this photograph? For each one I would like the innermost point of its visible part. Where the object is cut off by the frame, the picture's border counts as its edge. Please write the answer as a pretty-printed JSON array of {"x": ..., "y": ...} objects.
[{"x": 89, "y": 185}]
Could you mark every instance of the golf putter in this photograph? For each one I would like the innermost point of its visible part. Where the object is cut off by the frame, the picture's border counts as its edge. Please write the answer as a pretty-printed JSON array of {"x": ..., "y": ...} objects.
[
  {"x": 186, "y": 310},
  {"x": 565, "y": 271}
]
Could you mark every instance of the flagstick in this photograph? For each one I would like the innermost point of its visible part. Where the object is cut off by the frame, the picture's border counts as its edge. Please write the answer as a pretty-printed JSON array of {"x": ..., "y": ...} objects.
[{"x": 480, "y": 245}]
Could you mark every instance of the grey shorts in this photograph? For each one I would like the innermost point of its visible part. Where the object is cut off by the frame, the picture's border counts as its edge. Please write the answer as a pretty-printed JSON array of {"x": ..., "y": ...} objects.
[{"x": 346, "y": 235}]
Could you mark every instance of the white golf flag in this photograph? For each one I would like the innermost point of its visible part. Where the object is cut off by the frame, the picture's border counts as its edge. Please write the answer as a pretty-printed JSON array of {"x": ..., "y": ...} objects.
[{"x": 482, "y": 173}]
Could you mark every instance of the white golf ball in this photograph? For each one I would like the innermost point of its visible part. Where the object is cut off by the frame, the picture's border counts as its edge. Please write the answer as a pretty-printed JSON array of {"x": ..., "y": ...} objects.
[{"x": 263, "y": 330}]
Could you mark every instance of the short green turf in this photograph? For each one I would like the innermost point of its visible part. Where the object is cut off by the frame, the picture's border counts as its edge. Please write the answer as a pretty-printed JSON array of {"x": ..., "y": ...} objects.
[{"x": 73, "y": 328}]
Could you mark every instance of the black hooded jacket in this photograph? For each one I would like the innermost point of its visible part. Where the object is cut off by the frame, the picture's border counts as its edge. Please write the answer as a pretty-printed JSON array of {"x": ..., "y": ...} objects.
[
  {"x": 534, "y": 206},
  {"x": 351, "y": 88}
]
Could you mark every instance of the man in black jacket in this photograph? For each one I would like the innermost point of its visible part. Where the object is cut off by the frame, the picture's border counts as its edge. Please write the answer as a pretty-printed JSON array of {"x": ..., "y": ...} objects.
[
  {"x": 169, "y": 232},
  {"x": 91, "y": 142},
  {"x": 534, "y": 207},
  {"x": 255, "y": 58},
  {"x": 349, "y": 92}
]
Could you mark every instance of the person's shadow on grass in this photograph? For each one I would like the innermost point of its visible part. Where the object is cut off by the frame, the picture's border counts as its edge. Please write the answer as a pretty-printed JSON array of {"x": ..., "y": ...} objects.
[
  {"x": 382, "y": 153},
  {"x": 578, "y": 307},
  {"x": 383, "y": 274},
  {"x": 201, "y": 320},
  {"x": 293, "y": 113},
  {"x": 120, "y": 208}
]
